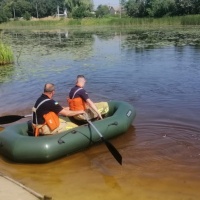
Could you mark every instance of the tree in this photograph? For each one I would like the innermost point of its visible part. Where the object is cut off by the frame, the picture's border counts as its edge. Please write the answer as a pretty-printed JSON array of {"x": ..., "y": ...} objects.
[
  {"x": 35, "y": 5},
  {"x": 195, "y": 6},
  {"x": 102, "y": 10},
  {"x": 151, "y": 8},
  {"x": 17, "y": 7},
  {"x": 136, "y": 8},
  {"x": 123, "y": 3},
  {"x": 9, "y": 7},
  {"x": 72, "y": 4},
  {"x": 79, "y": 12},
  {"x": 160, "y": 8},
  {"x": 183, "y": 7},
  {"x": 3, "y": 16},
  {"x": 88, "y": 4},
  {"x": 27, "y": 16},
  {"x": 21, "y": 6}
]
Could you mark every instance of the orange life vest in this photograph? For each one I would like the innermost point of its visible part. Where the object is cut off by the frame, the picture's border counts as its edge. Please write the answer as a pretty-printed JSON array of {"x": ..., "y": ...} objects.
[
  {"x": 76, "y": 104},
  {"x": 51, "y": 120}
]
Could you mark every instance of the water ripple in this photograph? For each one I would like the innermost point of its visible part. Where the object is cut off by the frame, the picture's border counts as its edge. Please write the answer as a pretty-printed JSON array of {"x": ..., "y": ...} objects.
[
  {"x": 164, "y": 147},
  {"x": 158, "y": 149}
]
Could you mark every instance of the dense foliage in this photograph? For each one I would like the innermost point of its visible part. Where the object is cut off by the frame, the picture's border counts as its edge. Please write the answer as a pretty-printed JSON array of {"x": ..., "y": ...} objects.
[
  {"x": 160, "y": 8},
  {"x": 102, "y": 10},
  {"x": 6, "y": 54},
  {"x": 42, "y": 8},
  {"x": 83, "y": 8}
]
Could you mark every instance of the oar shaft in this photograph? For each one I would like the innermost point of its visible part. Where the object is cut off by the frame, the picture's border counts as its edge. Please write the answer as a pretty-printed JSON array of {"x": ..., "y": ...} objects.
[
  {"x": 95, "y": 128},
  {"x": 110, "y": 147},
  {"x": 30, "y": 115}
]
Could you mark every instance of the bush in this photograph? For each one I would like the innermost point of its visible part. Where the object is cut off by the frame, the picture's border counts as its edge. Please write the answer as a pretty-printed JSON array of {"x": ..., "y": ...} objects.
[
  {"x": 3, "y": 17},
  {"x": 79, "y": 12},
  {"x": 6, "y": 54},
  {"x": 27, "y": 16},
  {"x": 102, "y": 10}
]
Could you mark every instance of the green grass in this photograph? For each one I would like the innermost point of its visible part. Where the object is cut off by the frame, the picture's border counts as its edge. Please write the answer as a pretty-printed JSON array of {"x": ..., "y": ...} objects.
[
  {"x": 107, "y": 21},
  {"x": 6, "y": 54},
  {"x": 190, "y": 20},
  {"x": 23, "y": 23}
]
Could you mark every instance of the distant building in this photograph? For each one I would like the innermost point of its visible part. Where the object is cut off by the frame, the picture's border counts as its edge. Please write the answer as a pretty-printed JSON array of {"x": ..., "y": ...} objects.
[{"x": 114, "y": 10}]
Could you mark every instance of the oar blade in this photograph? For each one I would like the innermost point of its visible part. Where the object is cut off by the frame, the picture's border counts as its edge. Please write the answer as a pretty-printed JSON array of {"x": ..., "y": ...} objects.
[
  {"x": 10, "y": 118},
  {"x": 110, "y": 147},
  {"x": 114, "y": 151}
]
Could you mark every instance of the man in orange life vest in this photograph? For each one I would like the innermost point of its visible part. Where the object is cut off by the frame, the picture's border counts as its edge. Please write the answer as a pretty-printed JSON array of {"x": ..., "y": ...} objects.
[
  {"x": 79, "y": 100},
  {"x": 46, "y": 105}
]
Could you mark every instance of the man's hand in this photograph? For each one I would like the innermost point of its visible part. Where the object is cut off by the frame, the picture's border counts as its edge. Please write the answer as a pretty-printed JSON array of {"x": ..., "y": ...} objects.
[{"x": 99, "y": 116}]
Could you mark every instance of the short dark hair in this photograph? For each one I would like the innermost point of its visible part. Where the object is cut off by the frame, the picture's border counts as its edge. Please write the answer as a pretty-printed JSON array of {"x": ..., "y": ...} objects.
[
  {"x": 49, "y": 87},
  {"x": 80, "y": 76}
]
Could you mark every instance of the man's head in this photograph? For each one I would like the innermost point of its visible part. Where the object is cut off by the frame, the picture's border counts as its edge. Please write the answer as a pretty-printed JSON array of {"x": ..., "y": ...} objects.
[
  {"x": 80, "y": 81},
  {"x": 49, "y": 89}
]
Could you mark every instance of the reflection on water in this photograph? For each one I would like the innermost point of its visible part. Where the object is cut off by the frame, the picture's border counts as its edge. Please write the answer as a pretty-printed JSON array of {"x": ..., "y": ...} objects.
[
  {"x": 6, "y": 72},
  {"x": 159, "y": 76},
  {"x": 156, "y": 164},
  {"x": 48, "y": 43}
]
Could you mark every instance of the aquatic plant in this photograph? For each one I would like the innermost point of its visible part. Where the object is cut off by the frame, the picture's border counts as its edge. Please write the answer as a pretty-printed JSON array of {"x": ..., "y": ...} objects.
[
  {"x": 190, "y": 20},
  {"x": 106, "y": 21},
  {"x": 6, "y": 54}
]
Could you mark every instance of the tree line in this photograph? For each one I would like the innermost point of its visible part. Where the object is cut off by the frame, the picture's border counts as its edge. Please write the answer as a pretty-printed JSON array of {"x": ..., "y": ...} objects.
[
  {"x": 83, "y": 8},
  {"x": 43, "y": 8},
  {"x": 160, "y": 8},
  {"x": 154, "y": 8}
]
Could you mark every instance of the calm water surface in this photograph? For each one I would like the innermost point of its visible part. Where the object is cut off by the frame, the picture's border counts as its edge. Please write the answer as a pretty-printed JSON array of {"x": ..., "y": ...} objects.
[{"x": 161, "y": 150}]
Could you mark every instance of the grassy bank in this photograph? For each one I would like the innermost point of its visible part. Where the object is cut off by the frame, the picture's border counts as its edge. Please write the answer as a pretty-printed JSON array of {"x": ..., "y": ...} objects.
[
  {"x": 110, "y": 21},
  {"x": 6, "y": 54},
  {"x": 190, "y": 20}
]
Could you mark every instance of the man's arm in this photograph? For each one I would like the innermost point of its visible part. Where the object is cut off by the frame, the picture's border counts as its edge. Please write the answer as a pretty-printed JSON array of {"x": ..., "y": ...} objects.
[
  {"x": 92, "y": 105},
  {"x": 84, "y": 95},
  {"x": 69, "y": 113}
]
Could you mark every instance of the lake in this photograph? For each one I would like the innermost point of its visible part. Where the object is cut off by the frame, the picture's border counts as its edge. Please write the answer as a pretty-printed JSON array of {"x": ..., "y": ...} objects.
[{"x": 157, "y": 71}]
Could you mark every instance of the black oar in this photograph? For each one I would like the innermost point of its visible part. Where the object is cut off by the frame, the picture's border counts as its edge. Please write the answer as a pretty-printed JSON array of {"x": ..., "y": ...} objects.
[
  {"x": 11, "y": 118},
  {"x": 110, "y": 147}
]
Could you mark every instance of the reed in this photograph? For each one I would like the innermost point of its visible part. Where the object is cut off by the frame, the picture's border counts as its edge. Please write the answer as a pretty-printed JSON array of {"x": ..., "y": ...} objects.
[
  {"x": 109, "y": 21},
  {"x": 190, "y": 20},
  {"x": 6, "y": 54},
  {"x": 23, "y": 23}
]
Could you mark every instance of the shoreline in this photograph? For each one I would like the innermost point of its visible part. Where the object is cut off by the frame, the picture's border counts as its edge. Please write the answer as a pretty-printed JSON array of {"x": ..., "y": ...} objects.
[
  {"x": 188, "y": 20},
  {"x": 18, "y": 190}
]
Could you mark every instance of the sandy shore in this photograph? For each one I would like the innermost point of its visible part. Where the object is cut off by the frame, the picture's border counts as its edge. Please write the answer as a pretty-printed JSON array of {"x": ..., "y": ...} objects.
[{"x": 11, "y": 189}]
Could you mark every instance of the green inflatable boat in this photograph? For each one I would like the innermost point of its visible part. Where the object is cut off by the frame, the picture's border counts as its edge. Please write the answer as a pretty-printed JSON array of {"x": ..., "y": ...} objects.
[{"x": 17, "y": 145}]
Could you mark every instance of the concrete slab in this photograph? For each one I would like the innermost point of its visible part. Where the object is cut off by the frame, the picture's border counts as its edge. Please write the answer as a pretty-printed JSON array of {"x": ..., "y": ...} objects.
[{"x": 11, "y": 189}]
